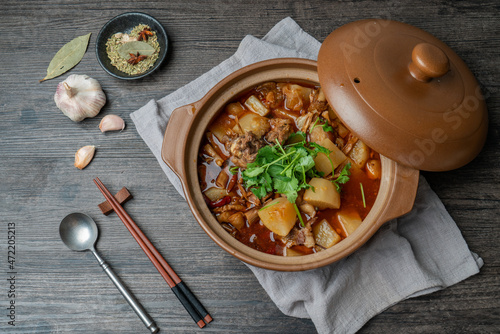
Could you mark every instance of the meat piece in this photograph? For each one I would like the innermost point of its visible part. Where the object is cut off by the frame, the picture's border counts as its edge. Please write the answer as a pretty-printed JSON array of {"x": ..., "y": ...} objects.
[
  {"x": 281, "y": 129},
  {"x": 237, "y": 220},
  {"x": 308, "y": 209},
  {"x": 252, "y": 215},
  {"x": 230, "y": 207},
  {"x": 222, "y": 179},
  {"x": 300, "y": 236},
  {"x": 224, "y": 217},
  {"x": 270, "y": 95},
  {"x": 209, "y": 150},
  {"x": 254, "y": 199},
  {"x": 350, "y": 144},
  {"x": 318, "y": 101},
  {"x": 244, "y": 149},
  {"x": 242, "y": 191}
]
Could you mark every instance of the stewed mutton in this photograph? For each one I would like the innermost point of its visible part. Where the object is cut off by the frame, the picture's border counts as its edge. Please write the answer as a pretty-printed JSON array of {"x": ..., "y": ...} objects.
[{"x": 282, "y": 174}]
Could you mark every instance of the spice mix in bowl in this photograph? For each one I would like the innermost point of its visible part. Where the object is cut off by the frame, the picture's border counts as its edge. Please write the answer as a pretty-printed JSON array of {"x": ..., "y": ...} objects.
[{"x": 131, "y": 46}]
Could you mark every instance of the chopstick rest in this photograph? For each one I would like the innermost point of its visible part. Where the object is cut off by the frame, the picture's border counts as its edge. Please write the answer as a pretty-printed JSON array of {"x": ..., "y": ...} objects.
[
  {"x": 123, "y": 196},
  {"x": 182, "y": 292}
]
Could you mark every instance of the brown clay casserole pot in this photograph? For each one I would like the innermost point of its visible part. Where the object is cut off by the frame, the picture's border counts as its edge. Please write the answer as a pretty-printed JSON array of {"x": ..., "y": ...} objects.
[{"x": 387, "y": 98}]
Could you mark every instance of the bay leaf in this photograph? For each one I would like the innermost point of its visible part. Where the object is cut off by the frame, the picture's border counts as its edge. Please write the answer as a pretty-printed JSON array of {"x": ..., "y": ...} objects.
[
  {"x": 67, "y": 57},
  {"x": 133, "y": 47}
]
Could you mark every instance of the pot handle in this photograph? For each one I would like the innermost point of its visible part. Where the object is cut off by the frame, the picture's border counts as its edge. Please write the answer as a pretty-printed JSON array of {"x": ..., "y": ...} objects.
[
  {"x": 174, "y": 141},
  {"x": 404, "y": 191}
]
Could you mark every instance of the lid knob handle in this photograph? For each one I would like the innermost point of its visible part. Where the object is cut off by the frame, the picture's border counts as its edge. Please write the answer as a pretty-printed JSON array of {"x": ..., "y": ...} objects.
[{"x": 428, "y": 62}]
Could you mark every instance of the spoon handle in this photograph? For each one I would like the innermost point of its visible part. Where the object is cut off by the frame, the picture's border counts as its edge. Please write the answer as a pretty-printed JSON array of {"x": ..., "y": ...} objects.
[{"x": 136, "y": 306}]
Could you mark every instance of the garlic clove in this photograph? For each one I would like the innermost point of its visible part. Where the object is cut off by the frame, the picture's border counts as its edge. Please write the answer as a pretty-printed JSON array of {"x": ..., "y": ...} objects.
[
  {"x": 79, "y": 97},
  {"x": 83, "y": 156},
  {"x": 111, "y": 123}
]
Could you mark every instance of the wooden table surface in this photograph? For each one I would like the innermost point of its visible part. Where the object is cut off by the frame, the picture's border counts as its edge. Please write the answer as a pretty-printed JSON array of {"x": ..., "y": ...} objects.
[{"x": 60, "y": 291}]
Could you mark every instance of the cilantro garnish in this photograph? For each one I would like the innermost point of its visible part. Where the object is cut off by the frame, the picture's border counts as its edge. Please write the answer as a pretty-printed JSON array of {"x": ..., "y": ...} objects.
[
  {"x": 343, "y": 176},
  {"x": 327, "y": 127},
  {"x": 285, "y": 169},
  {"x": 362, "y": 194},
  {"x": 233, "y": 170},
  {"x": 299, "y": 215},
  {"x": 282, "y": 169},
  {"x": 314, "y": 125}
]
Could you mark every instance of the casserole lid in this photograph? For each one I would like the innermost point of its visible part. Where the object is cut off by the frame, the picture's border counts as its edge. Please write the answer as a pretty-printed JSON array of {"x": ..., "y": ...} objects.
[{"x": 405, "y": 93}]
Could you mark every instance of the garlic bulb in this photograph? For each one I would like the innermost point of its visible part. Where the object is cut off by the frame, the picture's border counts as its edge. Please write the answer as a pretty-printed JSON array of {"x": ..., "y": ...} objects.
[
  {"x": 79, "y": 97},
  {"x": 111, "y": 123},
  {"x": 83, "y": 156}
]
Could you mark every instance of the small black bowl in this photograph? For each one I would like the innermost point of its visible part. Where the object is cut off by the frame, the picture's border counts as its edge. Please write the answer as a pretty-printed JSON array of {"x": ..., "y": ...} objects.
[{"x": 125, "y": 23}]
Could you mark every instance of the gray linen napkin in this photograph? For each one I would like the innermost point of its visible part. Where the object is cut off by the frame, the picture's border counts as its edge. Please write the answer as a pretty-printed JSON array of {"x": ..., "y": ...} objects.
[{"x": 416, "y": 254}]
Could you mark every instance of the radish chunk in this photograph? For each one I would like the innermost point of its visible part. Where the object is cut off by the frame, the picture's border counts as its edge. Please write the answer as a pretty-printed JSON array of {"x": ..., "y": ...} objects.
[
  {"x": 291, "y": 252},
  {"x": 317, "y": 134},
  {"x": 279, "y": 216},
  {"x": 215, "y": 194},
  {"x": 322, "y": 195},
  {"x": 235, "y": 109},
  {"x": 324, "y": 235},
  {"x": 255, "y": 105},
  {"x": 349, "y": 220},
  {"x": 251, "y": 122},
  {"x": 360, "y": 154},
  {"x": 296, "y": 96},
  {"x": 323, "y": 163}
]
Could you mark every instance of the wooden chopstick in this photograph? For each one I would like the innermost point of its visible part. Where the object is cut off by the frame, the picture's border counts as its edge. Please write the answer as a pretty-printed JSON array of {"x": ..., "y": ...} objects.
[{"x": 181, "y": 290}]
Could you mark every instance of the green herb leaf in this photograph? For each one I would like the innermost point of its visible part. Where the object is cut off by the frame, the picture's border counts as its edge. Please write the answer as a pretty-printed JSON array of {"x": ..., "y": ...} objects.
[
  {"x": 296, "y": 137},
  {"x": 288, "y": 188},
  {"x": 253, "y": 172},
  {"x": 135, "y": 47},
  {"x": 362, "y": 194},
  {"x": 281, "y": 169},
  {"x": 320, "y": 149},
  {"x": 269, "y": 205},
  {"x": 275, "y": 170},
  {"x": 314, "y": 125},
  {"x": 343, "y": 177},
  {"x": 67, "y": 57},
  {"x": 327, "y": 128},
  {"x": 299, "y": 215},
  {"x": 234, "y": 170}
]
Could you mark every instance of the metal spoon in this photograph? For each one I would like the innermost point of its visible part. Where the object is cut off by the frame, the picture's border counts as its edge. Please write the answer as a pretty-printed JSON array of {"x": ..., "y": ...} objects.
[{"x": 79, "y": 232}]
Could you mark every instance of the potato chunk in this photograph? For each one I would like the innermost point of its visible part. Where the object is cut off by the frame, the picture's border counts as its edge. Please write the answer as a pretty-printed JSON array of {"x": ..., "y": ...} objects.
[
  {"x": 257, "y": 124},
  {"x": 349, "y": 220},
  {"x": 255, "y": 105},
  {"x": 323, "y": 163},
  {"x": 324, "y": 235},
  {"x": 323, "y": 195},
  {"x": 279, "y": 216}
]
